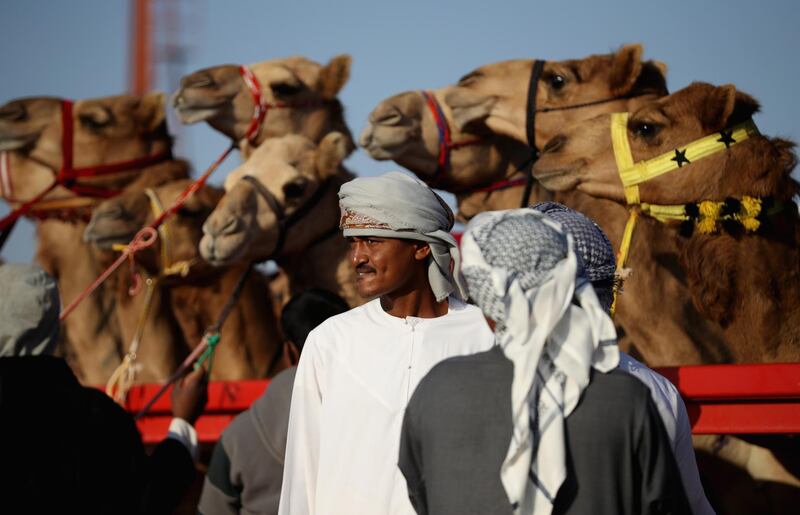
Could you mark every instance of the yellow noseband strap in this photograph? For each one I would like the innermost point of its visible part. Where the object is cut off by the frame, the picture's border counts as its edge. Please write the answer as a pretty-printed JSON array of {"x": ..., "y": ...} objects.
[{"x": 632, "y": 174}]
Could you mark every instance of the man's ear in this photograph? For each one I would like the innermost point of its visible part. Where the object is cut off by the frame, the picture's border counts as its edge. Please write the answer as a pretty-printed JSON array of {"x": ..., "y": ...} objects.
[
  {"x": 468, "y": 107},
  {"x": 423, "y": 250}
]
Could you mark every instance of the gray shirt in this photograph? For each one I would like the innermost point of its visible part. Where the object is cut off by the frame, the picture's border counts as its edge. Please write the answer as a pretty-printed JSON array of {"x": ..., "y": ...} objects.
[{"x": 457, "y": 429}]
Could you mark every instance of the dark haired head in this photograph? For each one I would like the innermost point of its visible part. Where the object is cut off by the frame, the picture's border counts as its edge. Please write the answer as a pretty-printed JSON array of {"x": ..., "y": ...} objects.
[{"x": 307, "y": 310}]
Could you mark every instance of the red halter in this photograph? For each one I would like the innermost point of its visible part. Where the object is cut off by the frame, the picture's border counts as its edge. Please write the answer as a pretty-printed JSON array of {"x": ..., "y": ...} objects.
[
  {"x": 446, "y": 144},
  {"x": 68, "y": 176},
  {"x": 260, "y": 106}
]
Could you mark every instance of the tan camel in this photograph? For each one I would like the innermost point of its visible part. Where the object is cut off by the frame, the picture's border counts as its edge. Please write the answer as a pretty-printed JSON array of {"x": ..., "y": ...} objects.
[
  {"x": 106, "y": 130},
  {"x": 292, "y": 175},
  {"x": 748, "y": 282},
  {"x": 220, "y": 96},
  {"x": 402, "y": 128},
  {"x": 250, "y": 341}
]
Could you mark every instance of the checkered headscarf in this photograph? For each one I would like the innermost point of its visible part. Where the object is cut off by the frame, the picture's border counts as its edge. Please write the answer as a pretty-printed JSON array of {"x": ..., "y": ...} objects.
[
  {"x": 591, "y": 244},
  {"x": 522, "y": 270}
]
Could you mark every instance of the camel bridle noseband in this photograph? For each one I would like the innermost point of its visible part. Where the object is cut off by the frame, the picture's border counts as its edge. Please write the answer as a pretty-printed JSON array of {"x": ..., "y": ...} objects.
[
  {"x": 285, "y": 222},
  {"x": 446, "y": 143},
  {"x": 261, "y": 107},
  {"x": 68, "y": 177}
]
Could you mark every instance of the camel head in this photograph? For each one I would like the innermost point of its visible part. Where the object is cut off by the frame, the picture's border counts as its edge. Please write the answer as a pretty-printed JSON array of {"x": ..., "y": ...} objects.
[
  {"x": 291, "y": 169},
  {"x": 220, "y": 96},
  {"x": 582, "y": 156},
  {"x": 403, "y": 128},
  {"x": 105, "y": 130},
  {"x": 497, "y": 94},
  {"x": 117, "y": 220}
]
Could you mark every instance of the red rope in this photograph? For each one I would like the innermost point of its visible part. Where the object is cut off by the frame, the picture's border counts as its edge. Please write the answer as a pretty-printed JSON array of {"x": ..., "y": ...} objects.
[
  {"x": 501, "y": 185},
  {"x": 141, "y": 240}
]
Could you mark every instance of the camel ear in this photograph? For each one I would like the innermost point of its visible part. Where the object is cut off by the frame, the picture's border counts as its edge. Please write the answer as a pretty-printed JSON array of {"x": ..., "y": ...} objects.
[
  {"x": 334, "y": 76},
  {"x": 150, "y": 113},
  {"x": 468, "y": 107},
  {"x": 652, "y": 79},
  {"x": 625, "y": 68},
  {"x": 724, "y": 106},
  {"x": 331, "y": 152}
]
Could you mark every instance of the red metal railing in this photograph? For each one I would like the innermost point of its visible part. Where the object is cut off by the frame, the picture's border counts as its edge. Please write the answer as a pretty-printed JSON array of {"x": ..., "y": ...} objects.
[{"x": 721, "y": 399}]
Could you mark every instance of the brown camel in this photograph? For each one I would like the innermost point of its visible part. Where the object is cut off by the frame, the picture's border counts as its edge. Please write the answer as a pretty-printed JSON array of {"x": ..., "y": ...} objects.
[
  {"x": 293, "y": 175},
  {"x": 250, "y": 341},
  {"x": 748, "y": 281},
  {"x": 300, "y": 96},
  {"x": 106, "y": 130}
]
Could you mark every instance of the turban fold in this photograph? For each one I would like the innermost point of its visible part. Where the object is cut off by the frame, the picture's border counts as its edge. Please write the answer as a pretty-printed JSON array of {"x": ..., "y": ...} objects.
[
  {"x": 29, "y": 309},
  {"x": 522, "y": 270},
  {"x": 395, "y": 205}
]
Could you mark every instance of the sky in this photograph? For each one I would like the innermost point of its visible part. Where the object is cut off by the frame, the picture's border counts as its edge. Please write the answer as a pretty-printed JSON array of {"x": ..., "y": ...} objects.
[{"x": 79, "y": 49}]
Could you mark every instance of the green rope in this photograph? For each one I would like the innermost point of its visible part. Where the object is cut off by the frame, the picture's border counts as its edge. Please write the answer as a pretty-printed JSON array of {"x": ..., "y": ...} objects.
[{"x": 212, "y": 340}]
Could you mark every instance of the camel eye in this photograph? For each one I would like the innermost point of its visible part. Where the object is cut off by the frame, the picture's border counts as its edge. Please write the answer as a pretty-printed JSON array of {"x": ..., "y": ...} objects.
[
  {"x": 294, "y": 190},
  {"x": 557, "y": 81},
  {"x": 96, "y": 120},
  {"x": 285, "y": 90},
  {"x": 645, "y": 130}
]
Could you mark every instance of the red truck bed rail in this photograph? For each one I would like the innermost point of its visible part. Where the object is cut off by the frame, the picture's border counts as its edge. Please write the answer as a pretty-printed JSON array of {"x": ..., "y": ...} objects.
[{"x": 721, "y": 399}]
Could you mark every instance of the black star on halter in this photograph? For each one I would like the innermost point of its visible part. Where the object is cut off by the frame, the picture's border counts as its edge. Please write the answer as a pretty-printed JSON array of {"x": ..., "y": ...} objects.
[
  {"x": 680, "y": 158},
  {"x": 727, "y": 138}
]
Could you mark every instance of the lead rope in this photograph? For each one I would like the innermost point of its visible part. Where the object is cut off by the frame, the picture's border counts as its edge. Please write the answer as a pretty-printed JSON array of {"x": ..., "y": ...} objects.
[
  {"x": 124, "y": 376},
  {"x": 208, "y": 343}
]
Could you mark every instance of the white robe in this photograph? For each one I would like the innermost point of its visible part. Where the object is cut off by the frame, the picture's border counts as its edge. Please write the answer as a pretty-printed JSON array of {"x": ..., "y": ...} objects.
[{"x": 355, "y": 377}]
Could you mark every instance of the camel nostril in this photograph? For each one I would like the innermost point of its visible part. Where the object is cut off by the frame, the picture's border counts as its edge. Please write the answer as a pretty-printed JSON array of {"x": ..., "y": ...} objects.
[
  {"x": 215, "y": 227},
  {"x": 555, "y": 143},
  {"x": 366, "y": 136}
]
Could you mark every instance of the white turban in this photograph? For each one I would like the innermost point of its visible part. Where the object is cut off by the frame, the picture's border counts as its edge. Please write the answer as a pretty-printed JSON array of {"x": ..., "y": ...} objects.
[
  {"x": 395, "y": 205},
  {"x": 522, "y": 270},
  {"x": 29, "y": 309}
]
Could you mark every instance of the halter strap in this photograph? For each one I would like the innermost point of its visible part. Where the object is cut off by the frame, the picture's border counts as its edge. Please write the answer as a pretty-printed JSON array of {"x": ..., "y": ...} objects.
[
  {"x": 261, "y": 106},
  {"x": 705, "y": 215},
  {"x": 285, "y": 222},
  {"x": 67, "y": 176},
  {"x": 446, "y": 143}
]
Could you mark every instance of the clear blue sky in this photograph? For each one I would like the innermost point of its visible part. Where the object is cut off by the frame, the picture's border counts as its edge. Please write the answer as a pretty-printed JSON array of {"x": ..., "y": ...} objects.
[{"x": 79, "y": 49}]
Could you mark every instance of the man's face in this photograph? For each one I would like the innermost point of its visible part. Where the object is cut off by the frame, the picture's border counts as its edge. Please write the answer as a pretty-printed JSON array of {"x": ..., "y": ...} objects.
[{"x": 387, "y": 265}]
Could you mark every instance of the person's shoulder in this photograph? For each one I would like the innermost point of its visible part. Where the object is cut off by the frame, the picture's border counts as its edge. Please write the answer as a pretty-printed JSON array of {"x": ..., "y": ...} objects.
[
  {"x": 618, "y": 383},
  {"x": 451, "y": 372},
  {"x": 644, "y": 373}
]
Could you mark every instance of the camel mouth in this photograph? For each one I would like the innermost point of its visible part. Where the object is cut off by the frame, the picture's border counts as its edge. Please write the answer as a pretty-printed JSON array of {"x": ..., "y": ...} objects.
[
  {"x": 106, "y": 240},
  {"x": 223, "y": 250},
  {"x": 385, "y": 143},
  {"x": 9, "y": 142},
  {"x": 555, "y": 176},
  {"x": 194, "y": 108}
]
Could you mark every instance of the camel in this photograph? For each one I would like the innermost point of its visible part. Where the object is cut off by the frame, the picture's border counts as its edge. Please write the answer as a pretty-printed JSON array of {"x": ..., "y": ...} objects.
[
  {"x": 745, "y": 276},
  {"x": 282, "y": 204},
  {"x": 300, "y": 96},
  {"x": 250, "y": 340},
  {"x": 747, "y": 279},
  {"x": 402, "y": 128},
  {"x": 105, "y": 130}
]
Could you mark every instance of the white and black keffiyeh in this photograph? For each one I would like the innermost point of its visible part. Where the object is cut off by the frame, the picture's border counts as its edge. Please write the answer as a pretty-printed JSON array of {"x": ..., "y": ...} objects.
[
  {"x": 522, "y": 270},
  {"x": 395, "y": 205}
]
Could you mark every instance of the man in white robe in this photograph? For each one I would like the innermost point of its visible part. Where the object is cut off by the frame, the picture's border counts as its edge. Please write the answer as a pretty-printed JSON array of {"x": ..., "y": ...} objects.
[{"x": 359, "y": 369}]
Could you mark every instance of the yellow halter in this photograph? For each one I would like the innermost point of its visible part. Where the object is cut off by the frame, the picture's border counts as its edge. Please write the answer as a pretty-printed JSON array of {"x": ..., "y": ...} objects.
[{"x": 709, "y": 212}]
